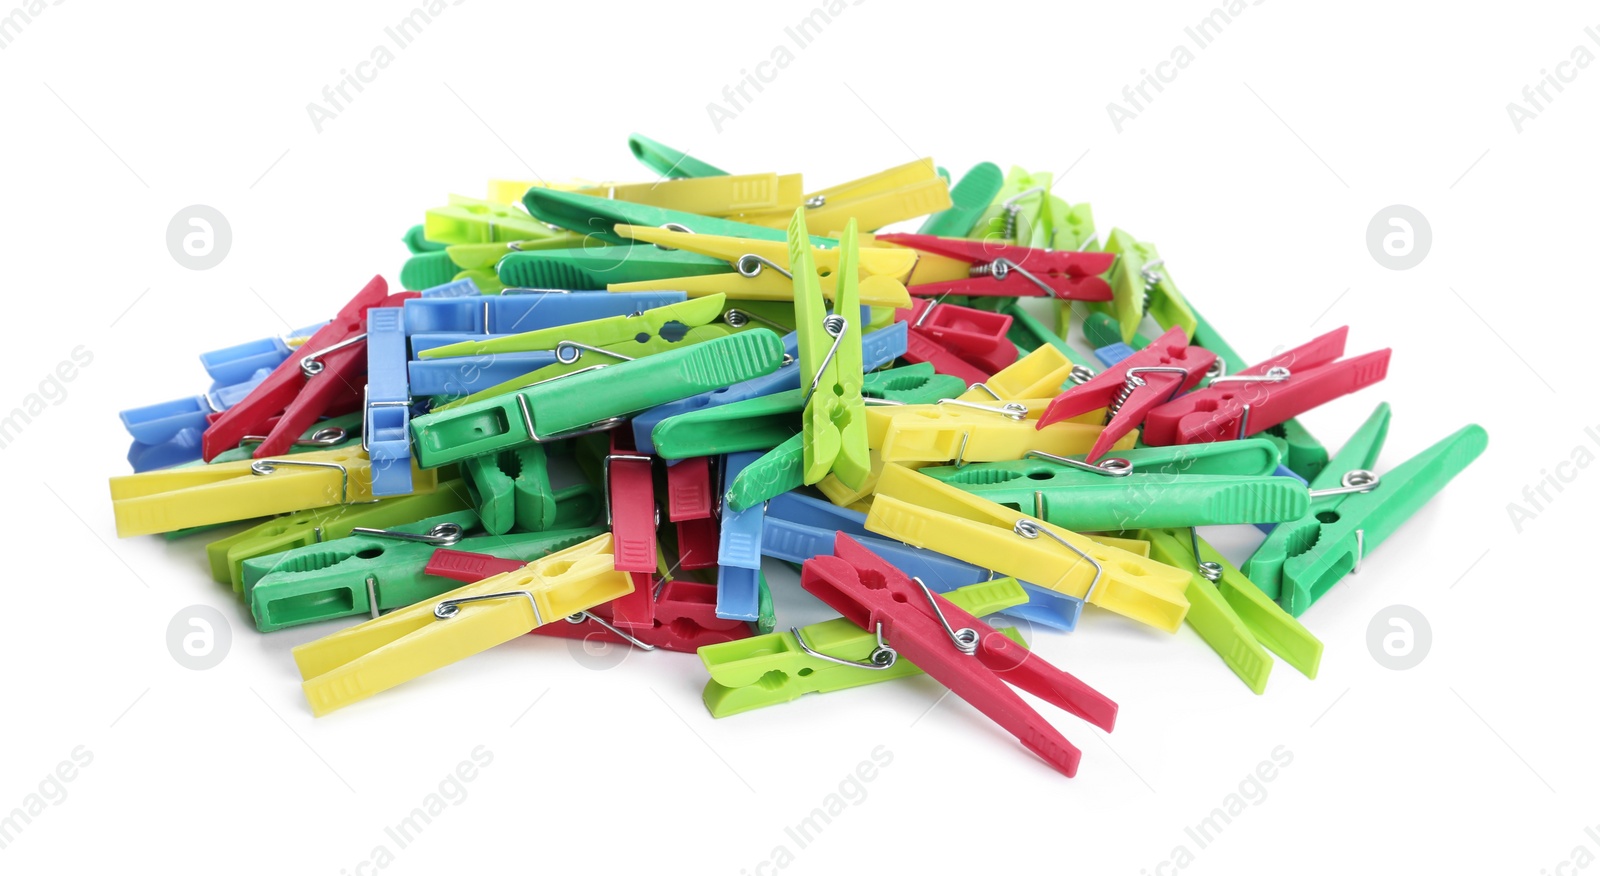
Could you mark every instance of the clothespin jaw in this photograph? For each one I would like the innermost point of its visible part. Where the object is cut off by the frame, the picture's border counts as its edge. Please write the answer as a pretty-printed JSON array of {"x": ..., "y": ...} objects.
[
  {"x": 951, "y": 266},
  {"x": 1353, "y": 511},
  {"x": 372, "y": 657},
  {"x": 1040, "y": 374},
  {"x": 669, "y": 162},
  {"x": 969, "y": 198},
  {"x": 328, "y": 369},
  {"x": 940, "y": 637},
  {"x": 470, "y": 220},
  {"x": 1266, "y": 394},
  {"x": 511, "y": 488},
  {"x": 923, "y": 512},
  {"x": 1141, "y": 286},
  {"x": 834, "y": 425},
  {"x": 781, "y": 667},
  {"x": 632, "y": 515},
  {"x": 593, "y": 398},
  {"x": 739, "y": 550},
  {"x": 884, "y": 198},
  {"x": 1133, "y": 388},
  {"x": 760, "y": 270},
  {"x": 1231, "y": 614}
]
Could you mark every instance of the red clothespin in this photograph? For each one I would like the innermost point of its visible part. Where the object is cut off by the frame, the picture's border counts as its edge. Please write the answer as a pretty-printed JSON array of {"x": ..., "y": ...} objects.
[
  {"x": 631, "y": 511},
  {"x": 1132, "y": 388},
  {"x": 691, "y": 504},
  {"x": 325, "y": 376},
  {"x": 1267, "y": 394},
  {"x": 685, "y": 615},
  {"x": 915, "y": 623},
  {"x": 962, "y": 341},
  {"x": 1001, "y": 269}
]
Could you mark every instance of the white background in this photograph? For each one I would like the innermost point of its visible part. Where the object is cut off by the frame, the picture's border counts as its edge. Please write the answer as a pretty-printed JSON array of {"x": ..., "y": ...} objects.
[{"x": 1256, "y": 172}]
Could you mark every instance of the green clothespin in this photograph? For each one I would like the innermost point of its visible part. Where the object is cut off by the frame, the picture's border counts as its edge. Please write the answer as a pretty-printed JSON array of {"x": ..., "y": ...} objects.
[
  {"x": 278, "y": 534},
  {"x": 1231, "y": 614},
  {"x": 597, "y": 219},
  {"x": 1354, "y": 510},
  {"x": 749, "y": 674},
  {"x": 596, "y": 397},
  {"x": 1103, "y": 330},
  {"x": 417, "y": 241},
  {"x": 667, "y": 161},
  {"x": 1154, "y": 487},
  {"x": 594, "y": 266},
  {"x": 470, "y": 220},
  {"x": 362, "y": 575},
  {"x": 969, "y": 199},
  {"x": 1015, "y": 212},
  {"x": 1303, "y": 454},
  {"x": 766, "y": 613},
  {"x": 424, "y": 270},
  {"x": 767, "y": 421},
  {"x": 511, "y": 488}
]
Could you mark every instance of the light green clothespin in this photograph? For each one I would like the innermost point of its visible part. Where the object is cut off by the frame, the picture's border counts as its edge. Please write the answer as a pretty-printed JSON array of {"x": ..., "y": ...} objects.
[
  {"x": 1016, "y": 210},
  {"x": 1141, "y": 284}
]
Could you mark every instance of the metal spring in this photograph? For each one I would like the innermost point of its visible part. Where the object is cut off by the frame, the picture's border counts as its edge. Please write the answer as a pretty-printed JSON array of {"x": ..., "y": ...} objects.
[
  {"x": 1081, "y": 374},
  {"x": 1012, "y": 209},
  {"x": 1211, "y": 571},
  {"x": 1128, "y": 386}
]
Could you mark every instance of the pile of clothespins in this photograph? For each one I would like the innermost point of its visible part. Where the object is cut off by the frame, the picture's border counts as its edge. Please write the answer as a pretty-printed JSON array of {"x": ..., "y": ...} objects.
[{"x": 492, "y": 454}]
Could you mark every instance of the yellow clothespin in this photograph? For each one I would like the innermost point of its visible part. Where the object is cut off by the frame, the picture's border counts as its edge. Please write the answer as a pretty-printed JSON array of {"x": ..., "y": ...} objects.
[
  {"x": 893, "y": 195},
  {"x": 372, "y": 657},
  {"x": 172, "y": 499},
  {"x": 761, "y": 269},
  {"x": 965, "y": 431},
  {"x": 923, "y": 512},
  {"x": 719, "y": 196},
  {"x": 1040, "y": 374},
  {"x": 510, "y": 191}
]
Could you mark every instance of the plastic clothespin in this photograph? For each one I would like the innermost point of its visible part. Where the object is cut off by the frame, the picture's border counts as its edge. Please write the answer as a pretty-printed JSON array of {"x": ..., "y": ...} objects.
[
  {"x": 884, "y": 198},
  {"x": 1139, "y": 489},
  {"x": 1134, "y": 387},
  {"x": 923, "y": 512},
  {"x": 510, "y": 313},
  {"x": 878, "y": 348},
  {"x": 1231, "y": 614},
  {"x": 961, "y": 432},
  {"x": 1016, "y": 210},
  {"x": 939, "y": 637},
  {"x": 739, "y": 552},
  {"x": 683, "y": 614},
  {"x": 1069, "y": 226},
  {"x": 462, "y": 288},
  {"x": 470, "y": 220},
  {"x": 1142, "y": 286},
  {"x": 593, "y": 265},
  {"x": 511, "y": 488},
  {"x": 692, "y": 507},
  {"x": 969, "y": 198},
  {"x": 330, "y": 434},
  {"x": 594, "y": 398},
  {"x": 834, "y": 430},
  {"x": 667, "y": 161},
  {"x": 784, "y": 666},
  {"x": 614, "y": 337},
  {"x": 373, "y": 572},
  {"x": 328, "y": 370},
  {"x": 726, "y": 195},
  {"x": 961, "y": 341},
  {"x": 765, "y": 422},
  {"x": 1264, "y": 395},
  {"x": 631, "y": 511},
  {"x": 236, "y": 364},
  {"x": 761, "y": 269},
  {"x": 597, "y": 219},
  {"x": 163, "y": 422},
  {"x": 163, "y": 501},
  {"x": 374, "y": 656},
  {"x": 386, "y": 432},
  {"x": 799, "y": 527},
  {"x": 226, "y": 556},
  {"x": 1354, "y": 509},
  {"x": 951, "y": 266},
  {"x": 1040, "y": 374}
]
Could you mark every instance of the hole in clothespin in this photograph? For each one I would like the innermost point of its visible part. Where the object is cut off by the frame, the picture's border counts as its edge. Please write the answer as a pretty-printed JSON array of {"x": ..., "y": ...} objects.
[
  {"x": 370, "y": 553},
  {"x": 1327, "y": 517},
  {"x": 773, "y": 679},
  {"x": 1041, "y": 475},
  {"x": 805, "y": 672},
  {"x": 672, "y": 332}
]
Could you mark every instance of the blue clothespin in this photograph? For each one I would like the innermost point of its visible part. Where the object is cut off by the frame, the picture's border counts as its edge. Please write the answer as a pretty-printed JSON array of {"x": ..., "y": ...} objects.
[
  {"x": 878, "y": 348},
  {"x": 386, "y": 431},
  {"x": 183, "y": 447},
  {"x": 739, "y": 550},
  {"x": 160, "y": 423},
  {"x": 799, "y": 527},
  {"x": 236, "y": 364},
  {"x": 1111, "y": 354},
  {"x": 462, "y": 288}
]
